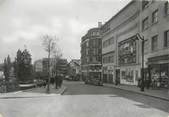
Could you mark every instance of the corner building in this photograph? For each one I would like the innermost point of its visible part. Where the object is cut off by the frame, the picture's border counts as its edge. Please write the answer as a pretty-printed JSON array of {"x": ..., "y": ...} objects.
[
  {"x": 150, "y": 19},
  {"x": 91, "y": 55}
]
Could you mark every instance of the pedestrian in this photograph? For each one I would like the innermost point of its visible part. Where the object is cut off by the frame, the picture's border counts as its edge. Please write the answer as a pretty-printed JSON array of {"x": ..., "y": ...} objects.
[
  {"x": 52, "y": 81},
  {"x": 59, "y": 79},
  {"x": 56, "y": 81}
]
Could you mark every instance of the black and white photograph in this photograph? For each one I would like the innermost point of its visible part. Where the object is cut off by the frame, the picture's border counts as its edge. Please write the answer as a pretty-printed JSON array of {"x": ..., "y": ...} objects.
[{"x": 84, "y": 58}]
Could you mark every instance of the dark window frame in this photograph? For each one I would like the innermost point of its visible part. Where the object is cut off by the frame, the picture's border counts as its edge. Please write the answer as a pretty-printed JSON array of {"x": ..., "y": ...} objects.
[
  {"x": 144, "y": 24},
  {"x": 166, "y": 8},
  {"x": 155, "y": 16},
  {"x": 154, "y": 43},
  {"x": 145, "y": 4},
  {"x": 166, "y": 38}
]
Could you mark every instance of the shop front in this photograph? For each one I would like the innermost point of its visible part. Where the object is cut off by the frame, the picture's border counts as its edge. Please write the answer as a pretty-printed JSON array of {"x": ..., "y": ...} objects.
[
  {"x": 158, "y": 69},
  {"x": 127, "y": 61},
  {"x": 108, "y": 74},
  {"x": 130, "y": 75}
]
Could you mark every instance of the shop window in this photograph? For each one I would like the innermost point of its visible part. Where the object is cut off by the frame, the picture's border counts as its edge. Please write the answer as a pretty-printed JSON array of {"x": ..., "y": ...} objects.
[
  {"x": 166, "y": 8},
  {"x": 166, "y": 38},
  {"x": 145, "y": 24},
  {"x": 155, "y": 16},
  {"x": 136, "y": 75},
  {"x": 127, "y": 75},
  {"x": 154, "y": 43}
]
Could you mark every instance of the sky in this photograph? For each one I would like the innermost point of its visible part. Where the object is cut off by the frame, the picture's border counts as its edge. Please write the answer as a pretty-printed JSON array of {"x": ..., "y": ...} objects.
[{"x": 22, "y": 22}]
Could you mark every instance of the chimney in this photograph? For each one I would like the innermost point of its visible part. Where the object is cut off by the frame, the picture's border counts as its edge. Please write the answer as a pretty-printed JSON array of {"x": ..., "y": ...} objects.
[{"x": 99, "y": 24}]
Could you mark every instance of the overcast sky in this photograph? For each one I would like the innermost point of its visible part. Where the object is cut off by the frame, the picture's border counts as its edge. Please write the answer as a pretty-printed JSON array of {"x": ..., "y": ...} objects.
[{"x": 23, "y": 21}]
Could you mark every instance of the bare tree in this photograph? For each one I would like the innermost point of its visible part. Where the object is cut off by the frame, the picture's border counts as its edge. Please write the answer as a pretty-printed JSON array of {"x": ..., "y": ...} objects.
[{"x": 49, "y": 43}]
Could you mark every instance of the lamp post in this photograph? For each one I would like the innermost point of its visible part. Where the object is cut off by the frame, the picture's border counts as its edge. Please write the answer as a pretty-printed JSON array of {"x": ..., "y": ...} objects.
[{"x": 142, "y": 66}]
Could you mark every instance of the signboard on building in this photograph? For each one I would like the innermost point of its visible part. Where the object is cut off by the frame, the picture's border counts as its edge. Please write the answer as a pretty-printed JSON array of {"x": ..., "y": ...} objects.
[{"x": 127, "y": 51}]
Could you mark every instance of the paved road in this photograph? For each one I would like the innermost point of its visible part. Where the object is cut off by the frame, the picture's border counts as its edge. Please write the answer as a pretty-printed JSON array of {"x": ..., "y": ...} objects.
[
  {"x": 85, "y": 101},
  {"x": 79, "y": 88}
]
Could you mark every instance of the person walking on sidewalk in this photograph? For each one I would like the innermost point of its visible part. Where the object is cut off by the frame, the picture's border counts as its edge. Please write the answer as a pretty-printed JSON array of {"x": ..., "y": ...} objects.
[
  {"x": 56, "y": 81},
  {"x": 59, "y": 80}
]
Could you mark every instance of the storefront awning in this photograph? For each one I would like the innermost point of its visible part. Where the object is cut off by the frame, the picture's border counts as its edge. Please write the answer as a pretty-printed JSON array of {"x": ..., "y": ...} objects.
[{"x": 158, "y": 60}]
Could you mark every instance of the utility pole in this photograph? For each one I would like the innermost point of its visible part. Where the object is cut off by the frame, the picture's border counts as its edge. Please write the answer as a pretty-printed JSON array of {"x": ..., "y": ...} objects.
[
  {"x": 48, "y": 86},
  {"x": 142, "y": 65}
]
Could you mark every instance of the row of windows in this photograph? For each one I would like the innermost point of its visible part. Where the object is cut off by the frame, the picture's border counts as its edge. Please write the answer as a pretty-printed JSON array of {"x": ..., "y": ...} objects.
[
  {"x": 95, "y": 33},
  {"x": 95, "y": 59},
  {"x": 108, "y": 59},
  {"x": 108, "y": 42},
  {"x": 145, "y": 3},
  {"x": 145, "y": 22},
  {"x": 95, "y": 42},
  {"x": 154, "y": 41}
]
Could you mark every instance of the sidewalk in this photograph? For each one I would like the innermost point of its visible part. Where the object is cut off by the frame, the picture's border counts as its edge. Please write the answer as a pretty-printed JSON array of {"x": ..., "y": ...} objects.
[
  {"x": 53, "y": 90},
  {"x": 33, "y": 93},
  {"x": 156, "y": 93}
]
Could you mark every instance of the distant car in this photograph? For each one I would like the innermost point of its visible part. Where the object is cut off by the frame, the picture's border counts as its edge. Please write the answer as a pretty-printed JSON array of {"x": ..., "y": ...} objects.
[
  {"x": 94, "y": 82},
  {"x": 68, "y": 77}
]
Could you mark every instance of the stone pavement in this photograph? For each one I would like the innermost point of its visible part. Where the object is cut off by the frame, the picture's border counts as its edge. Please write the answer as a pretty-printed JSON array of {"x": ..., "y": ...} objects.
[{"x": 157, "y": 93}]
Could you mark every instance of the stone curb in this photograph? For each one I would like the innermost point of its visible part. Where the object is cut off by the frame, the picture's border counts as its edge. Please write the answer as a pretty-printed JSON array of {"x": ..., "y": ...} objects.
[
  {"x": 154, "y": 96},
  {"x": 34, "y": 96},
  {"x": 62, "y": 92}
]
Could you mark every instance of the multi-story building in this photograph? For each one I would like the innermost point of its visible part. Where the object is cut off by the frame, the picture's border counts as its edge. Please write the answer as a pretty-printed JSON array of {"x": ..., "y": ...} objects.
[
  {"x": 120, "y": 54},
  {"x": 154, "y": 26},
  {"x": 61, "y": 67},
  {"x": 74, "y": 69},
  {"x": 38, "y": 66},
  {"x": 91, "y": 54},
  {"x": 56, "y": 66},
  {"x": 151, "y": 20}
]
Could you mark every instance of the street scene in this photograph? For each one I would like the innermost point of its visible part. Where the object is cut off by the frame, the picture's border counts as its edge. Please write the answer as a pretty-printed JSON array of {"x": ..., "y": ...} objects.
[{"x": 79, "y": 58}]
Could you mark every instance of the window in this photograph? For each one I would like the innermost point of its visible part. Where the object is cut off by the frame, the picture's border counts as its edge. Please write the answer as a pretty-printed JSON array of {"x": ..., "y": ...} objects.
[
  {"x": 145, "y": 4},
  {"x": 154, "y": 43},
  {"x": 146, "y": 46},
  {"x": 166, "y": 38},
  {"x": 111, "y": 40},
  {"x": 145, "y": 23},
  {"x": 166, "y": 9},
  {"x": 94, "y": 43},
  {"x": 87, "y": 51},
  {"x": 87, "y": 44},
  {"x": 155, "y": 16},
  {"x": 108, "y": 42},
  {"x": 111, "y": 59}
]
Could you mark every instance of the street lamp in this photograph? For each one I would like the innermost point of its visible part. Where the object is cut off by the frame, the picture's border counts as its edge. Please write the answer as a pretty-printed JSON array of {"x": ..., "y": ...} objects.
[{"x": 142, "y": 67}]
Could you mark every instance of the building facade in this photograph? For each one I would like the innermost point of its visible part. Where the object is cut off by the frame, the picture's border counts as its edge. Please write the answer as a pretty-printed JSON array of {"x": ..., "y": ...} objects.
[
  {"x": 38, "y": 66},
  {"x": 154, "y": 26},
  {"x": 120, "y": 31},
  {"x": 122, "y": 49},
  {"x": 74, "y": 69},
  {"x": 91, "y": 57}
]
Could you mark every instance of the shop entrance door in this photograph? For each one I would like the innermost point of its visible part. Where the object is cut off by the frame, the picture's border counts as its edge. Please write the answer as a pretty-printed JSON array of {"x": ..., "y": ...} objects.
[{"x": 117, "y": 81}]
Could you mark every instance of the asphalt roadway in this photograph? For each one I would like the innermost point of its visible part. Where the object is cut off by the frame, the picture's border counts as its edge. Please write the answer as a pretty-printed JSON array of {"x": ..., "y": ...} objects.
[{"x": 80, "y": 100}]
